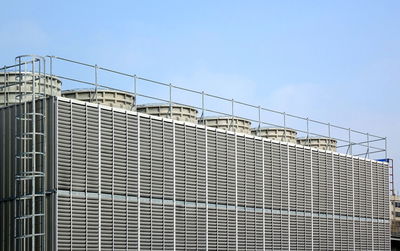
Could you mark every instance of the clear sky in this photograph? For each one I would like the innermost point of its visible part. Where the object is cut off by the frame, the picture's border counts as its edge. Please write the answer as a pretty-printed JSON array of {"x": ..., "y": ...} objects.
[{"x": 335, "y": 61}]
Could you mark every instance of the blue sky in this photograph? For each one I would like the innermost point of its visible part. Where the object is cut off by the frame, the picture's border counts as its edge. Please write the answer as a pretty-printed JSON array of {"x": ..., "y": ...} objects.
[{"x": 335, "y": 61}]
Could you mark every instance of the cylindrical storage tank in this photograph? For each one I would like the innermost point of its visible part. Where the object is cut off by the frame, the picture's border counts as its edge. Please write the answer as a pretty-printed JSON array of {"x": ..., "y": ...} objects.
[
  {"x": 320, "y": 143},
  {"x": 179, "y": 112},
  {"x": 279, "y": 134},
  {"x": 236, "y": 124},
  {"x": 113, "y": 98},
  {"x": 10, "y": 86}
]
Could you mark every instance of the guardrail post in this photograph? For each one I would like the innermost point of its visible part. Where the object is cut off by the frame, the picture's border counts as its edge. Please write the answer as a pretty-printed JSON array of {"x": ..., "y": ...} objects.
[
  {"x": 51, "y": 75},
  {"x": 350, "y": 149},
  {"x": 5, "y": 87},
  {"x": 232, "y": 112},
  {"x": 284, "y": 125},
  {"x": 329, "y": 131},
  {"x": 259, "y": 120},
  {"x": 170, "y": 100},
  {"x": 134, "y": 91},
  {"x": 385, "y": 147},
  {"x": 367, "y": 145},
  {"x": 95, "y": 81},
  {"x": 202, "y": 104}
]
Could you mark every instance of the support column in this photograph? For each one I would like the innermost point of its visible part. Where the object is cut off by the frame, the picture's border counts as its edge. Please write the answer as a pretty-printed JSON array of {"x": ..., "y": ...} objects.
[
  {"x": 372, "y": 206},
  {"x": 263, "y": 192},
  {"x": 206, "y": 131},
  {"x": 99, "y": 149},
  {"x": 354, "y": 212},
  {"x": 138, "y": 180},
  {"x": 174, "y": 179},
  {"x": 288, "y": 184},
  {"x": 333, "y": 200},
  {"x": 312, "y": 198},
  {"x": 236, "y": 199}
]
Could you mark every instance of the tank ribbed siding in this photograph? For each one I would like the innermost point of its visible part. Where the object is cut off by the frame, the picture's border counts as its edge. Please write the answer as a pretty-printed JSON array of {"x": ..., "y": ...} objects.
[
  {"x": 279, "y": 134},
  {"x": 319, "y": 143},
  {"x": 116, "y": 172},
  {"x": 235, "y": 124},
  {"x": 11, "y": 94},
  {"x": 179, "y": 112},
  {"x": 112, "y": 98}
]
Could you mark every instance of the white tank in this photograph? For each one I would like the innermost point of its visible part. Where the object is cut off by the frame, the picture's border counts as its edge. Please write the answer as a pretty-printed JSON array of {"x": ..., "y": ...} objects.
[
  {"x": 113, "y": 98},
  {"x": 179, "y": 112},
  {"x": 226, "y": 123},
  {"x": 320, "y": 143},
  {"x": 10, "y": 91},
  {"x": 279, "y": 134}
]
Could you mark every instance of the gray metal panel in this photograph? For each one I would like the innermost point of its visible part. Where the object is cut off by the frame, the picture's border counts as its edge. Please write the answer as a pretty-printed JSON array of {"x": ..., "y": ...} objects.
[
  {"x": 303, "y": 199},
  {"x": 8, "y": 127}
]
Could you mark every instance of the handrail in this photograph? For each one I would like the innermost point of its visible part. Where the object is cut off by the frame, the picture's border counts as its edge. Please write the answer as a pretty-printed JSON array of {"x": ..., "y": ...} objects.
[{"x": 350, "y": 143}]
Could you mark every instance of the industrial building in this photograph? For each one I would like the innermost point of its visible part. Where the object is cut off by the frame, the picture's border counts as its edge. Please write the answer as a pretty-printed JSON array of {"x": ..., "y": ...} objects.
[{"x": 92, "y": 169}]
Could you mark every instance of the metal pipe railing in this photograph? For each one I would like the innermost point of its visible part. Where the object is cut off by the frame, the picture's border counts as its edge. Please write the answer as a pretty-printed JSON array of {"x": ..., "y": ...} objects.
[{"x": 370, "y": 143}]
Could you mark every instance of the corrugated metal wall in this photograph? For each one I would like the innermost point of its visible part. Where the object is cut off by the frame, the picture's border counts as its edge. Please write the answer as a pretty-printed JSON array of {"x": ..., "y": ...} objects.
[
  {"x": 8, "y": 167},
  {"x": 165, "y": 185}
]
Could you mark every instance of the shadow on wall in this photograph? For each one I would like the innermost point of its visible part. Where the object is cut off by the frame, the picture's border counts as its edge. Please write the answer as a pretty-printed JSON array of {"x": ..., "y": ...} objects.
[{"x": 395, "y": 245}]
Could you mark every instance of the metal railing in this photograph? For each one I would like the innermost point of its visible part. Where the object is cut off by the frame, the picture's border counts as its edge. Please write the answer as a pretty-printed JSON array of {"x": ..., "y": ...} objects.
[{"x": 350, "y": 141}]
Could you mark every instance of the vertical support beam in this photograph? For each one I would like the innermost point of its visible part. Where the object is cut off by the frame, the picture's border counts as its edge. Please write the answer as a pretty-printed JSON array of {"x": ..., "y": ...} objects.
[
  {"x": 16, "y": 162},
  {"x": 312, "y": 199},
  {"x": 284, "y": 126},
  {"x": 44, "y": 160},
  {"x": 99, "y": 160},
  {"x": 51, "y": 77},
  {"x": 259, "y": 126},
  {"x": 354, "y": 212},
  {"x": 385, "y": 147},
  {"x": 170, "y": 102},
  {"x": 197, "y": 187},
  {"x": 288, "y": 184},
  {"x": 202, "y": 105},
  {"x": 329, "y": 131},
  {"x": 372, "y": 205},
  {"x": 127, "y": 179},
  {"x": 112, "y": 180},
  {"x": 135, "y": 91},
  {"x": 227, "y": 186},
  {"x": 333, "y": 199},
  {"x": 236, "y": 197},
  {"x": 174, "y": 173},
  {"x": 33, "y": 155},
  {"x": 138, "y": 180},
  {"x": 263, "y": 190},
  {"x": 232, "y": 113},
  {"x": 5, "y": 94},
  {"x": 151, "y": 205},
  {"x": 367, "y": 155},
  {"x": 350, "y": 150},
  {"x": 96, "y": 81},
  {"x": 71, "y": 168},
  {"x": 55, "y": 162},
  {"x": 86, "y": 175},
  {"x": 206, "y": 132}
]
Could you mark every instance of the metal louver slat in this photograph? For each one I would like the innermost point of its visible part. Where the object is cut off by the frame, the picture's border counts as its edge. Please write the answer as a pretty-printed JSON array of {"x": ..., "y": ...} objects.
[{"x": 261, "y": 194}]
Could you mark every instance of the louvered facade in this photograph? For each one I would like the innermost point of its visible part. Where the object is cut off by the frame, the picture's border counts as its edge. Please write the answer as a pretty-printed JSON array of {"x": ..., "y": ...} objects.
[{"x": 119, "y": 180}]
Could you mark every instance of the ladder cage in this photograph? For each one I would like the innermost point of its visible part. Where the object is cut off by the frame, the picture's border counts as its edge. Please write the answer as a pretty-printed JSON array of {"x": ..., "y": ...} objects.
[{"x": 30, "y": 163}]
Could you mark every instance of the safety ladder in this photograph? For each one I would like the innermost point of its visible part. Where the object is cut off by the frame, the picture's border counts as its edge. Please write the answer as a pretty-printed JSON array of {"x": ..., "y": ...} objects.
[{"x": 30, "y": 148}]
